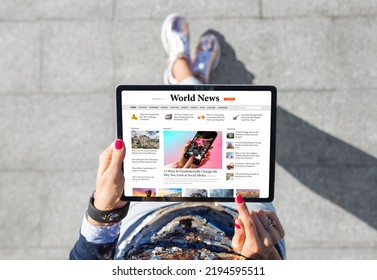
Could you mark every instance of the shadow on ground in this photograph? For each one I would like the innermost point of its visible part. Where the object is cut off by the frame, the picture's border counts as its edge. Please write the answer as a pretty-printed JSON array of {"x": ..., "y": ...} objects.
[
  {"x": 230, "y": 70},
  {"x": 328, "y": 166},
  {"x": 325, "y": 164}
]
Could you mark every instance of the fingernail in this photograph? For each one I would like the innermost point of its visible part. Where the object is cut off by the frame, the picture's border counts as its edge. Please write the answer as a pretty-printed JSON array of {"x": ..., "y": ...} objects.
[
  {"x": 118, "y": 144},
  {"x": 237, "y": 225},
  {"x": 239, "y": 199}
]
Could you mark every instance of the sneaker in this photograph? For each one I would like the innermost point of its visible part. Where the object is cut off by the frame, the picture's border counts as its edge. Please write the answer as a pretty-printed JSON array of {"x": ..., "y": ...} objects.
[
  {"x": 175, "y": 40},
  {"x": 207, "y": 57}
]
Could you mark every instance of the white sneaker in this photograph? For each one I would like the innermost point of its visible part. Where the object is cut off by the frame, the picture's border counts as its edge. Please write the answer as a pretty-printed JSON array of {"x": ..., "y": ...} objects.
[
  {"x": 207, "y": 57},
  {"x": 175, "y": 38}
]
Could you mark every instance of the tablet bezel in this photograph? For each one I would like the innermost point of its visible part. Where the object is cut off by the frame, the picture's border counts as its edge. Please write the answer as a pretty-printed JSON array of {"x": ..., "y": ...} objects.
[{"x": 269, "y": 88}]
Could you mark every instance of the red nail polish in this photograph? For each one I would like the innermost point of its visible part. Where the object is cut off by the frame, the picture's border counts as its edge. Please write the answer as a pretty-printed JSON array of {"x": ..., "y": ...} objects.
[
  {"x": 118, "y": 144},
  {"x": 239, "y": 199},
  {"x": 237, "y": 225}
]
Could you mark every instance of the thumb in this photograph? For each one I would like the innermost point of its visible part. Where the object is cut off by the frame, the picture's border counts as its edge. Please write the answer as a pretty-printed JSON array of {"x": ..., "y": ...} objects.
[
  {"x": 189, "y": 162},
  {"x": 119, "y": 151}
]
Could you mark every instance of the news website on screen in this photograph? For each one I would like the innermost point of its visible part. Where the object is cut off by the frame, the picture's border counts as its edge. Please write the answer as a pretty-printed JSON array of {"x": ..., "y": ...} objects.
[{"x": 211, "y": 144}]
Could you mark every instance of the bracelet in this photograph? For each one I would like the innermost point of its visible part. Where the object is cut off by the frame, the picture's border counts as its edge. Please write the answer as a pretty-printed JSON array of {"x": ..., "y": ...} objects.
[{"x": 109, "y": 216}]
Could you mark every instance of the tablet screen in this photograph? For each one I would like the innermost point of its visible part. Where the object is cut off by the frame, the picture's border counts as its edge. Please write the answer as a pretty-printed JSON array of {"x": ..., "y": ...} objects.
[{"x": 207, "y": 143}]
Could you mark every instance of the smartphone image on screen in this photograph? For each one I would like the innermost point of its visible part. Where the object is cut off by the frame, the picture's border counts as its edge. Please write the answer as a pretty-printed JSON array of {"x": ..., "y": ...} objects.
[{"x": 200, "y": 145}]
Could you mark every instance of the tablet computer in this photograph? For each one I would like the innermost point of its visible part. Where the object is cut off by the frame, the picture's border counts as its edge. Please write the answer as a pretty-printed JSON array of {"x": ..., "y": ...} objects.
[{"x": 197, "y": 142}]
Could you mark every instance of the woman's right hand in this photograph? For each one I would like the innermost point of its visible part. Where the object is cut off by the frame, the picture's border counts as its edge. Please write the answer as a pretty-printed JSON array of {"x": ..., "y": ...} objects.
[{"x": 256, "y": 232}]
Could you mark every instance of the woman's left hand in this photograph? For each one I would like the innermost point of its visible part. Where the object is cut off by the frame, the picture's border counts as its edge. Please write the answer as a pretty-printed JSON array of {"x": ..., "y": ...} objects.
[{"x": 110, "y": 179}]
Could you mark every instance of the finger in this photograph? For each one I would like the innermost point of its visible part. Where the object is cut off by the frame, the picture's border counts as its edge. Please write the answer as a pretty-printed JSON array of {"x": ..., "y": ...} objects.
[
  {"x": 262, "y": 218},
  {"x": 239, "y": 236},
  {"x": 105, "y": 159},
  {"x": 272, "y": 215},
  {"x": 189, "y": 162},
  {"x": 241, "y": 206},
  {"x": 119, "y": 151},
  {"x": 269, "y": 235},
  {"x": 249, "y": 226},
  {"x": 270, "y": 229}
]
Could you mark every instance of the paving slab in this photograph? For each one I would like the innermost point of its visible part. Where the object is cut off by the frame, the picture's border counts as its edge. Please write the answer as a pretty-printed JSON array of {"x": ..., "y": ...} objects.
[
  {"x": 75, "y": 9},
  {"x": 133, "y": 66},
  {"x": 77, "y": 57},
  {"x": 335, "y": 113},
  {"x": 18, "y": 10},
  {"x": 356, "y": 52},
  {"x": 315, "y": 220},
  {"x": 356, "y": 119},
  {"x": 143, "y": 9},
  {"x": 36, "y": 253},
  {"x": 294, "y": 8},
  {"x": 285, "y": 53},
  {"x": 55, "y": 132},
  {"x": 28, "y": 10},
  {"x": 66, "y": 197},
  {"x": 20, "y": 57},
  {"x": 301, "y": 144},
  {"x": 318, "y": 253},
  {"x": 21, "y": 208}
]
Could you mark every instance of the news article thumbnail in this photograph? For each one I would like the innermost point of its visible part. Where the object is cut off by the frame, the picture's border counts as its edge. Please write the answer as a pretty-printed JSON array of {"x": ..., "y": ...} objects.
[
  {"x": 221, "y": 193},
  {"x": 169, "y": 192},
  {"x": 195, "y": 192},
  {"x": 177, "y": 143},
  {"x": 148, "y": 139},
  {"x": 248, "y": 193},
  {"x": 144, "y": 192}
]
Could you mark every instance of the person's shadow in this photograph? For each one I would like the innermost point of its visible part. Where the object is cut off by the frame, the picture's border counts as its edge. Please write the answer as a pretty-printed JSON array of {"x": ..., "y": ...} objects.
[
  {"x": 229, "y": 70},
  {"x": 332, "y": 168}
]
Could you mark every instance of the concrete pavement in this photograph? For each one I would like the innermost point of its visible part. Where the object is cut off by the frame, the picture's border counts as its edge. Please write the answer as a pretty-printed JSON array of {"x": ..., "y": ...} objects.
[{"x": 61, "y": 60}]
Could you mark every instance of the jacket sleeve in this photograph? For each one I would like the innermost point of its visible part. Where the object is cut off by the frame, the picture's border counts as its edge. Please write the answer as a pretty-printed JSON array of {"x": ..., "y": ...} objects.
[
  {"x": 84, "y": 250},
  {"x": 95, "y": 242}
]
